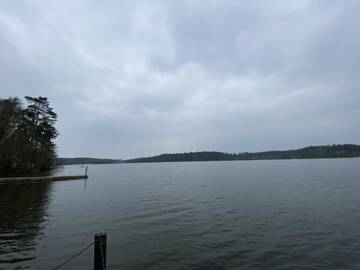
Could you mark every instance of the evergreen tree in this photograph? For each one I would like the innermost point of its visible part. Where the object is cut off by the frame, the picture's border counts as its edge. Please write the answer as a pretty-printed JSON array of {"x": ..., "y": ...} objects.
[
  {"x": 10, "y": 119},
  {"x": 27, "y": 135}
]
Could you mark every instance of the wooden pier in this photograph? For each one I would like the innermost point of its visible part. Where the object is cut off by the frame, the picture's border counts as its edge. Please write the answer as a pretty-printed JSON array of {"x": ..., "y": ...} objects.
[{"x": 41, "y": 178}]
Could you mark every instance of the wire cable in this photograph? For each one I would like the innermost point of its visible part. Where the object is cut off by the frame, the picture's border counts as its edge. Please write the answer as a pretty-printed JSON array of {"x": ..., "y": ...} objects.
[{"x": 74, "y": 256}]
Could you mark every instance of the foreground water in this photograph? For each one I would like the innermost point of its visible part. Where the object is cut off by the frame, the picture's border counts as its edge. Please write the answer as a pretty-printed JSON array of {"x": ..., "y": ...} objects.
[{"x": 290, "y": 214}]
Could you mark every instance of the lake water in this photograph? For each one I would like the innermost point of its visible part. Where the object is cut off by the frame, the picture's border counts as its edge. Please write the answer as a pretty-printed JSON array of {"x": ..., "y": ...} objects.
[{"x": 281, "y": 214}]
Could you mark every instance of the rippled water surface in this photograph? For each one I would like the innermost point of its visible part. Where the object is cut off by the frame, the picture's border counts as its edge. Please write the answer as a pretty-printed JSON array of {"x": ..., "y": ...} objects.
[{"x": 290, "y": 214}]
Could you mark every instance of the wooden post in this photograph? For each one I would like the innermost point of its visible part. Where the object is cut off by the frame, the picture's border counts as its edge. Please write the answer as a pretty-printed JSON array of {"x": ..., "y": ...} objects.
[
  {"x": 86, "y": 168},
  {"x": 100, "y": 251}
]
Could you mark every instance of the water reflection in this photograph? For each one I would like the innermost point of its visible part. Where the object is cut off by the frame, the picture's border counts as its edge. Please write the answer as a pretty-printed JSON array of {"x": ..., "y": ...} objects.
[{"x": 23, "y": 210}]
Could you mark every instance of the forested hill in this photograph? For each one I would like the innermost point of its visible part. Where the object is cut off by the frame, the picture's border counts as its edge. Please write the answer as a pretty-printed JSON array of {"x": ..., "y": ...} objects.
[
  {"x": 327, "y": 151},
  {"x": 85, "y": 160}
]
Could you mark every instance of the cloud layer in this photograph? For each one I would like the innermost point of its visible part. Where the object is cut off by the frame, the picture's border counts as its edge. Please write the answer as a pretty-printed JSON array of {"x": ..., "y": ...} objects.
[{"x": 134, "y": 78}]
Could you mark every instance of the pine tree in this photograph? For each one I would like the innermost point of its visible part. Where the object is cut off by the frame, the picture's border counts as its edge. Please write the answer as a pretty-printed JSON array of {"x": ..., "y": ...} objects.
[{"x": 27, "y": 135}]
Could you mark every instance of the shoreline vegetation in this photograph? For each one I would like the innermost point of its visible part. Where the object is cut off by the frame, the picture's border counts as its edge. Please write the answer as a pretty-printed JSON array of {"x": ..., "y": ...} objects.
[
  {"x": 310, "y": 152},
  {"x": 27, "y": 146},
  {"x": 27, "y": 135},
  {"x": 85, "y": 160}
]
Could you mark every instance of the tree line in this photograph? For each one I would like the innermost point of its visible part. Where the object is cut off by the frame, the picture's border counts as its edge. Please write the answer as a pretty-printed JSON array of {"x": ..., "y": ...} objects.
[
  {"x": 325, "y": 151},
  {"x": 27, "y": 135}
]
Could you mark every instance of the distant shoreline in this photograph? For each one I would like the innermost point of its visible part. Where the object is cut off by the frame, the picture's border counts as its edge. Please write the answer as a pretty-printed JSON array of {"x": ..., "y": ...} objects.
[{"x": 311, "y": 152}]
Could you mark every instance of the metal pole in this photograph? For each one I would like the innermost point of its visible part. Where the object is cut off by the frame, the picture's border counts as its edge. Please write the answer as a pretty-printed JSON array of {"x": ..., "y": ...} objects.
[{"x": 100, "y": 251}]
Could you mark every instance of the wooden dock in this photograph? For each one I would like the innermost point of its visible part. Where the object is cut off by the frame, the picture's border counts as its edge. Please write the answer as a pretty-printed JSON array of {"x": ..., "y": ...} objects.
[{"x": 41, "y": 178}]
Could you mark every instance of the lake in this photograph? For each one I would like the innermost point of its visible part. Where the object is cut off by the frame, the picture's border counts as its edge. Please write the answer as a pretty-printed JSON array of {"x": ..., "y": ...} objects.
[{"x": 279, "y": 214}]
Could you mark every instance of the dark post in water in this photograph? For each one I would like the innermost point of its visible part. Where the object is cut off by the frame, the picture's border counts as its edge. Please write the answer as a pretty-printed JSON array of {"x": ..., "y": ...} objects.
[{"x": 100, "y": 251}]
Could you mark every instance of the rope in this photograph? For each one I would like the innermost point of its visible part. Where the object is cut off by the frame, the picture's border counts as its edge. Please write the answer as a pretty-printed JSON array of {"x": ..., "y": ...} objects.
[{"x": 74, "y": 256}]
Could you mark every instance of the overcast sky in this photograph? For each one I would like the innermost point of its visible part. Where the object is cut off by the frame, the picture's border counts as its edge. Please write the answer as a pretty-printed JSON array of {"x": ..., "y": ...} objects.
[{"x": 137, "y": 78}]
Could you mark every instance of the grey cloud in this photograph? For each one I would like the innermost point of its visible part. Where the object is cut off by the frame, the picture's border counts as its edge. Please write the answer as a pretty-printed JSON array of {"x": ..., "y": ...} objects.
[{"x": 131, "y": 78}]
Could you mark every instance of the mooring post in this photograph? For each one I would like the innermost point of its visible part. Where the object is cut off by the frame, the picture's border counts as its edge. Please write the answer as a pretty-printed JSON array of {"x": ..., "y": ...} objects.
[
  {"x": 86, "y": 168},
  {"x": 100, "y": 251}
]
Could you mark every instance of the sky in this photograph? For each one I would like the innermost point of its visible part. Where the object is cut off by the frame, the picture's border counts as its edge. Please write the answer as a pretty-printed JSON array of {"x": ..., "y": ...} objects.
[{"x": 138, "y": 78}]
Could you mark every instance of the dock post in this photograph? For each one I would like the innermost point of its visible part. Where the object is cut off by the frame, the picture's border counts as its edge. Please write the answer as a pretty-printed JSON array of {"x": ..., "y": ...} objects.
[{"x": 100, "y": 251}]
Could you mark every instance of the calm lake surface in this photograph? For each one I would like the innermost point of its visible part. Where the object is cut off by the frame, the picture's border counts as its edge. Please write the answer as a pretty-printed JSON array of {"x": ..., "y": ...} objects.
[{"x": 281, "y": 214}]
